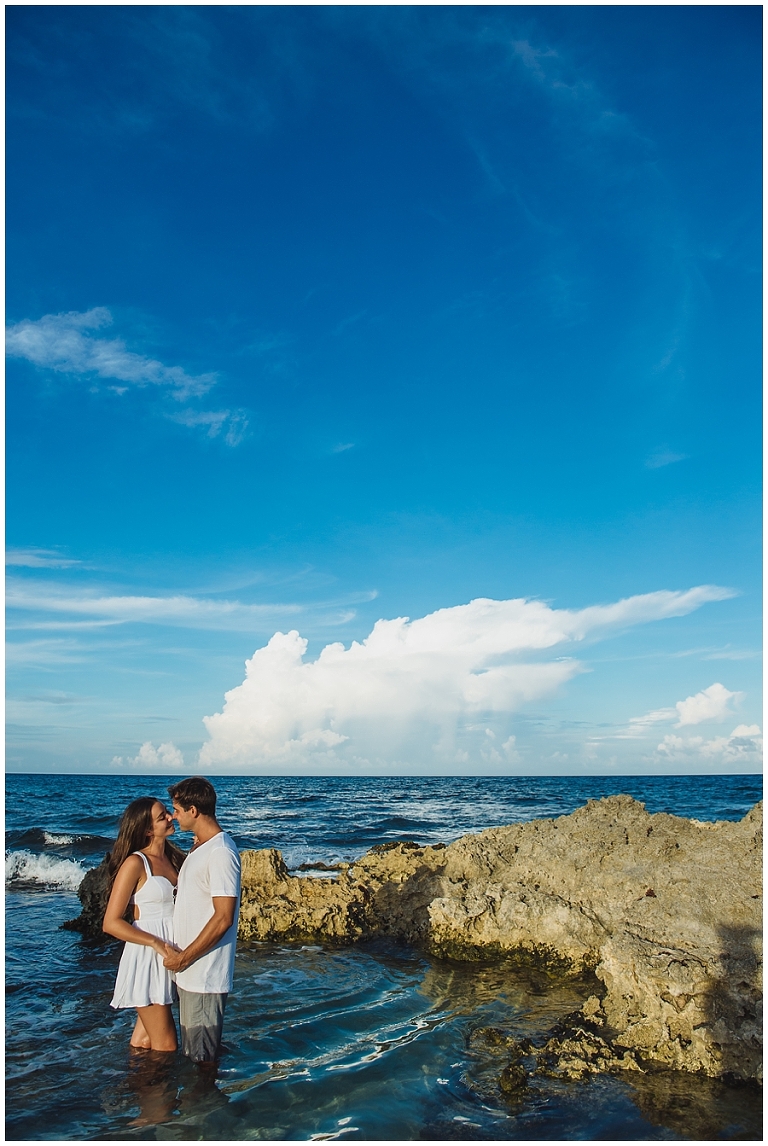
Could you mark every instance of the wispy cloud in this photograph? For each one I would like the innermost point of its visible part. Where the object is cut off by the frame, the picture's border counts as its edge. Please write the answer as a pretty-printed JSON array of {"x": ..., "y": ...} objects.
[
  {"x": 48, "y": 698},
  {"x": 38, "y": 559},
  {"x": 645, "y": 607},
  {"x": 663, "y": 457},
  {"x": 350, "y": 320},
  {"x": 49, "y": 626},
  {"x": 532, "y": 58},
  {"x": 721, "y": 653},
  {"x": 193, "y": 612},
  {"x": 71, "y": 344},
  {"x": 65, "y": 343},
  {"x": 232, "y": 423},
  {"x": 560, "y": 79},
  {"x": 639, "y": 724},
  {"x": 43, "y": 652},
  {"x": 411, "y": 686}
]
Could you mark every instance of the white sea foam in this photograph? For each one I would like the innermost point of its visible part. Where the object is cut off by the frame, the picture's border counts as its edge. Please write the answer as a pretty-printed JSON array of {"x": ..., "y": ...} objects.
[
  {"x": 57, "y": 839},
  {"x": 25, "y": 867}
]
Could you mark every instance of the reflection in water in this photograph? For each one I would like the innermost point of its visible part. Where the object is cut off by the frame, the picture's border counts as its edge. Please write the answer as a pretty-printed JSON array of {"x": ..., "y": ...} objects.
[
  {"x": 698, "y": 1108},
  {"x": 151, "y": 1080},
  {"x": 159, "y": 1089},
  {"x": 148, "y": 1093}
]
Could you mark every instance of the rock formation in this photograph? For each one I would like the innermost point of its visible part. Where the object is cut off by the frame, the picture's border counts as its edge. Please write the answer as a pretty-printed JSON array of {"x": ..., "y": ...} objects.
[
  {"x": 92, "y": 894},
  {"x": 665, "y": 910}
]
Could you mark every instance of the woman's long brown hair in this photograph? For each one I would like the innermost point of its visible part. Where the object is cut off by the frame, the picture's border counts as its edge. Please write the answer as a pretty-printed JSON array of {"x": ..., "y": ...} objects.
[{"x": 133, "y": 835}]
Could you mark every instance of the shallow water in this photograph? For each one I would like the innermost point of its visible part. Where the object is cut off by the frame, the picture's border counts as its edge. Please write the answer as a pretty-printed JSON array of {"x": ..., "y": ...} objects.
[{"x": 366, "y": 1042}]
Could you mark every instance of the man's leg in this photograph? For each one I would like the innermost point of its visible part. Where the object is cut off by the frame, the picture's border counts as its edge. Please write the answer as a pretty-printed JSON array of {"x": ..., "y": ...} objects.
[{"x": 201, "y": 1018}]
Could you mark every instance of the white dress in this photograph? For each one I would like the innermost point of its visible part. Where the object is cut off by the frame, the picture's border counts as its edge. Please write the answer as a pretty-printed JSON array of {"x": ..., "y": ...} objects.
[{"x": 141, "y": 977}]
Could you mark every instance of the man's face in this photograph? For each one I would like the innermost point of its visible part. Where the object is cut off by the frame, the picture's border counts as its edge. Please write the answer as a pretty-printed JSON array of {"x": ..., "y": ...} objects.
[{"x": 186, "y": 818}]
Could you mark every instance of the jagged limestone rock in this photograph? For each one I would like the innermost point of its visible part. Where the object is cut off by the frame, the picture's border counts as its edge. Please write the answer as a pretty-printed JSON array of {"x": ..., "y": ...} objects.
[
  {"x": 667, "y": 911},
  {"x": 278, "y": 906},
  {"x": 578, "y": 1047}
]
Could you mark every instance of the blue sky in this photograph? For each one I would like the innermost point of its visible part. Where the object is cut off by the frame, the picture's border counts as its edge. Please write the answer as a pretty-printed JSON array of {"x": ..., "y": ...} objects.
[{"x": 323, "y": 318}]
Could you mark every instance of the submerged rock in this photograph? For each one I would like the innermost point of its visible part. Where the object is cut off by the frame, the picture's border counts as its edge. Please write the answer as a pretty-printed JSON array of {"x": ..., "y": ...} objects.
[
  {"x": 513, "y": 1081},
  {"x": 578, "y": 1047}
]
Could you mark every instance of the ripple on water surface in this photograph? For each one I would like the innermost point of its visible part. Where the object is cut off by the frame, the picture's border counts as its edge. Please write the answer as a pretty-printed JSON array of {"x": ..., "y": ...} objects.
[{"x": 367, "y": 1042}]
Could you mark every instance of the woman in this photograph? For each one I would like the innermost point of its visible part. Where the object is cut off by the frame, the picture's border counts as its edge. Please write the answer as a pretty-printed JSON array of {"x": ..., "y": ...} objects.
[{"x": 143, "y": 869}]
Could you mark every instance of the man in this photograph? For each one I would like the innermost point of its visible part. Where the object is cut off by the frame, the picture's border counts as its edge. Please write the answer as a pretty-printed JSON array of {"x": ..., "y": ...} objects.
[{"x": 204, "y": 920}]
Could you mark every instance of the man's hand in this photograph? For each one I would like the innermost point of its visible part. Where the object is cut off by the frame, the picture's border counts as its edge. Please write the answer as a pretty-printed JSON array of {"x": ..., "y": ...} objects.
[
  {"x": 174, "y": 959},
  {"x": 222, "y": 919}
]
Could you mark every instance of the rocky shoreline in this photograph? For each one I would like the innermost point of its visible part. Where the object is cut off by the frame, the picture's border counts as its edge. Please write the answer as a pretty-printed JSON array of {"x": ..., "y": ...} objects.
[{"x": 666, "y": 911}]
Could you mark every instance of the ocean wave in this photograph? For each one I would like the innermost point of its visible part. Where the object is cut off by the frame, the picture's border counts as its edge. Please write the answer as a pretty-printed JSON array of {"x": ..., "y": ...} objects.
[
  {"x": 25, "y": 868},
  {"x": 68, "y": 843}
]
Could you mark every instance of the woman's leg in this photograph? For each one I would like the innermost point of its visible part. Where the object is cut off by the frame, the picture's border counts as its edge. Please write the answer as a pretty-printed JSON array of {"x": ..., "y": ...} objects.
[
  {"x": 140, "y": 1038},
  {"x": 159, "y": 1027}
]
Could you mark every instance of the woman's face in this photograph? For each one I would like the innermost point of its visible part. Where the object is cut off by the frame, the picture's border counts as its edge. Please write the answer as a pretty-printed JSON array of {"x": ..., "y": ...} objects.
[{"x": 162, "y": 821}]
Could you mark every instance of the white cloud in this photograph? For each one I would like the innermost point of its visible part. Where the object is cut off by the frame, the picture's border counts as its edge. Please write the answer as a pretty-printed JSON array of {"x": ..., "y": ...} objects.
[
  {"x": 414, "y": 685},
  {"x": 162, "y": 758},
  {"x": 490, "y": 754},
  {"x": 62, "y": 342},
  {"x": 194, "y": 612},
  {"x": 234, "y": 422},
  {"x": 509, "y": 749},
  {"x": 646, "y": 607},
  {"x": 710, "y": 704},
  {"x": 54, "y": 652},
  {"x": 37, "y": 559},
  {"x": 743, "y": 746},
  {"x": 638, "y": 724}
]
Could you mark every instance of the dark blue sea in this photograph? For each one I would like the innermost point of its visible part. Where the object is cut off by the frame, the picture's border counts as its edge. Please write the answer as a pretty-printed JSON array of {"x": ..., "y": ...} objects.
[{"x": 366, "y": 1042}]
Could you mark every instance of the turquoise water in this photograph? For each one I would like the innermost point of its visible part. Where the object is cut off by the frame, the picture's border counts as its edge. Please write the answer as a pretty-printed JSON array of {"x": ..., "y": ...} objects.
[{"x": 369, "y": 1042}]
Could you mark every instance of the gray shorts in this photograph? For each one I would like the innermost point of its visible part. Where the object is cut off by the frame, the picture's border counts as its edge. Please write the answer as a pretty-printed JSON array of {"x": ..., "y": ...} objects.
[{"x": 201, "y": 1018}]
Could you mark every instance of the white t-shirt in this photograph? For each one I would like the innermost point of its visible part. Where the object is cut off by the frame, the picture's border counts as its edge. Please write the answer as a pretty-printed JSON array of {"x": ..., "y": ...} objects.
[{"x": 211, "y": 869}]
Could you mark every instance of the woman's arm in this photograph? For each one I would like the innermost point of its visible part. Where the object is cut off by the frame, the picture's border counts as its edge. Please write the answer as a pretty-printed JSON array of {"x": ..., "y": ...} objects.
[{"x": 122, "y": 889}]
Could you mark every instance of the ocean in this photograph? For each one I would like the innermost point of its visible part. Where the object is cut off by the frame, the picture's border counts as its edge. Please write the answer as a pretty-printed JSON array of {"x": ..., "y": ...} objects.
[{"x": 366, "y": 1042}]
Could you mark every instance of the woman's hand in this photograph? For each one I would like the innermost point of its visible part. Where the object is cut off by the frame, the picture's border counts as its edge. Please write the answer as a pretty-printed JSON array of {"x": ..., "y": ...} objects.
[{"x": 164, "y": 949}]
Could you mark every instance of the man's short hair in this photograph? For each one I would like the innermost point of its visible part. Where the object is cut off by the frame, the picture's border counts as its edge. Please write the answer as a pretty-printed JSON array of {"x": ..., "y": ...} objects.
[{"x": 195, "y": 792}]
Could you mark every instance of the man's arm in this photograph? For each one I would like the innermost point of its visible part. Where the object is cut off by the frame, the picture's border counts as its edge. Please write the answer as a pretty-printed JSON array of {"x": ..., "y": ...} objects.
[{"x": 220, "y": 922}]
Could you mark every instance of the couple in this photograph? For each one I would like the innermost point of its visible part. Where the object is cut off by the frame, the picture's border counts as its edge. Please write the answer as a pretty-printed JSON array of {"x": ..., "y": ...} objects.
[{"x": 191, "y": 943}]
